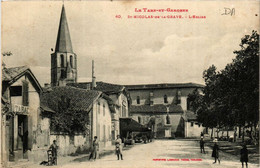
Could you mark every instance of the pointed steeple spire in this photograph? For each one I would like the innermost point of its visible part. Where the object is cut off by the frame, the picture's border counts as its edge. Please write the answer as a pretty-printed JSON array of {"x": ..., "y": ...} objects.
[{"x": 63, "y": 43}]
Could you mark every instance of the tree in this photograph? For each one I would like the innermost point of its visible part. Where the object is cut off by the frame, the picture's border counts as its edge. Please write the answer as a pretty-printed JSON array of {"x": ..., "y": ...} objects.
[
  {"x": 246, "y": 68},
  {"x": 231, "y": 96},
  {"x": 68, "y": 120},
  {"x": 6, "y": 54},
  {"x": 72, "y": 108},
  {"x": 195, "y": 100}
]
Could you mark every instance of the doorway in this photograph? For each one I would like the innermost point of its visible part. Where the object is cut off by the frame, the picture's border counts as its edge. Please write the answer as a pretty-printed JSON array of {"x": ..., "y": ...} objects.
[
  {"x": 10, "y": 136},
  {"x": 167, "y": 132},
  {"x": 22, "y": 138}
]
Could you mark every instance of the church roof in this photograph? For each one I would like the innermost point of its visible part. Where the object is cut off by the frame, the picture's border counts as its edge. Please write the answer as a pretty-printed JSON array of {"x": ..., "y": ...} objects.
[
  {"x": 163, "y": 86},
  {"x": 63, "y": 43}
]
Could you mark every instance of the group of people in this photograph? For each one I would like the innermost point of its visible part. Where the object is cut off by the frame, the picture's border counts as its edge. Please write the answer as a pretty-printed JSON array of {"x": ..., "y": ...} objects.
[
  {"x": 215, "y": 151},
  {"x": 118, "y": 150},
  {"x": 95, "y": 148}
]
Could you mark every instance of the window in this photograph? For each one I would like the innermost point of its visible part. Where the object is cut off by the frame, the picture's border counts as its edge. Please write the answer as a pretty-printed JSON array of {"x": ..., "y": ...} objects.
[
  {"x": 63, "y": 74},
  {"x": 25, "y": 93},
  {"x": 109, "y": 133},
  {"x": 139, "y": 119},
  {"x": 71, "y": 61},
  {"x": 88, "y": 86},
  {"x": 151, "y": 98},
  {"x": 104, "y": 110},
  {"x": 165, "y": 99},
  {"x": 138, "y": 100},
  {"x": 104, "y": 133},
  {"x": 188, "y": 104},
  {"x": 16, "y": 91},
  {"x": 191, "y": 124},
  {"x": 168, "y": 121},
  {"x": 123, "y": 111},
  {"x": 62, "y": 60},
  {"x": 178, "y": 97},
  {"x": 179, "y": 93},
  {"x": 98, "y": 109},
  {"x": 179, "y": 101},
  {"x": 199, "y": 125}
]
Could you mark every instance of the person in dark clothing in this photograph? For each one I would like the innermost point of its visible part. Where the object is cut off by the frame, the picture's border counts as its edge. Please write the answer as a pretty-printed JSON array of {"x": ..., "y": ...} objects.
[
  {"x": 54, "y": 149},
  {"x": 215, "y": 152},
  {"x": 244, "y": 155},
  {"x": 202, "y": 142},
  {"x": 235, "y": 136}
]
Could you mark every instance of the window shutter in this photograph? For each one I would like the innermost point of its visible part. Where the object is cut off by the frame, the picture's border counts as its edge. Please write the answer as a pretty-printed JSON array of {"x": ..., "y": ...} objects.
[
  {"x": 25, "y": 93},
  {"x": 30, "y": 132}
]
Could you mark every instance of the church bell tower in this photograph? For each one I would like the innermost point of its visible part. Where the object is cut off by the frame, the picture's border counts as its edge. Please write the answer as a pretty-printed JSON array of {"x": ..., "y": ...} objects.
[{"x": 63, "y": 60}]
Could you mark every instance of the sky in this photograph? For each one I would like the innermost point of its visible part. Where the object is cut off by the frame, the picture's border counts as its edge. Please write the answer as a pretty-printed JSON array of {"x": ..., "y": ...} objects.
[{"x": 128, "y": 51}]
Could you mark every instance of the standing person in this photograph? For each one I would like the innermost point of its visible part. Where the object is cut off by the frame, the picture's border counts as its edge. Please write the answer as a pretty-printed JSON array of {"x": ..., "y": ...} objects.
[
  {"x": 235, "y": 136},
  {"x": 54, "y": 149},
  {"x": 202, "y": 142},
  {"x": 95, "y": 149},
  {"x": 244, "y": 155},
  {"x": 215, "y": 152},
  {"x": 119, "y": 147}
]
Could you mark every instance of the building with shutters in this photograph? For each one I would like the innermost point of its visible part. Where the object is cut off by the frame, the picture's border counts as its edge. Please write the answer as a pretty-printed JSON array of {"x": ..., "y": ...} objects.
[
  {"x": 166, "y": 106},
  {"x": 25, "y": 127},
  {"x": 96, "y": 108},
  {"x": 118, "y": 94}
]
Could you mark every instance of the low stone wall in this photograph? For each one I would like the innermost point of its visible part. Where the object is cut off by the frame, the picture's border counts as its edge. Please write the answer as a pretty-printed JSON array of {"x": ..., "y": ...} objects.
[
  {"x": 38, "y": 155},
  {"x": 71, "y": 144}
]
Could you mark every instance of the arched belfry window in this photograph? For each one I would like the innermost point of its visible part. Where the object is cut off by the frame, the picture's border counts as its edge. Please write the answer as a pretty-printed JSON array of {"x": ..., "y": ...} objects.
[
  {"x": 71, "y": 61},
  {"x": 138, "y": 100},
  {"x": 168, "y": 121},
  {"x": 165, "y": 99},
  {"x": 62, "y": 60}
]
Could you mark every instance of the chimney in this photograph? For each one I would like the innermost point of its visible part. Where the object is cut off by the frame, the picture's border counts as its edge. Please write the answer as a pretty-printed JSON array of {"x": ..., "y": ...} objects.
[{"x": 93, "y": 76}]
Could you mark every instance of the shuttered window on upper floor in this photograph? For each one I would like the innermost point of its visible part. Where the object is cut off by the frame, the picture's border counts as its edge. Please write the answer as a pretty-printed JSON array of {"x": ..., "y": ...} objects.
[{"x": 25, "y": 93}]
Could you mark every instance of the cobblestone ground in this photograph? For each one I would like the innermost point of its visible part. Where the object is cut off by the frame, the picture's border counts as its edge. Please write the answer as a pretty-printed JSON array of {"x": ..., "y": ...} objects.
[{"x": 161, "y": 153}]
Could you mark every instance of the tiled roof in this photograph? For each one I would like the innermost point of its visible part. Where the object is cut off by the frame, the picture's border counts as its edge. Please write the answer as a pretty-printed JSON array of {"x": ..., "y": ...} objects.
[
  {"x": 9, "y": 74},
  {"x": 164, "y": 86},
  {"x": 157, "y": 108},
  {"x": 107, "y": 88},
  {"x": 190, "y": 116},
  {"x": 77, "y": 99}
]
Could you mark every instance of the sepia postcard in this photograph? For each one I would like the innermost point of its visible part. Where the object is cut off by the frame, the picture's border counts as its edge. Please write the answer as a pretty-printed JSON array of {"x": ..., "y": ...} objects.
[{"x": 117, "y": 83}]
